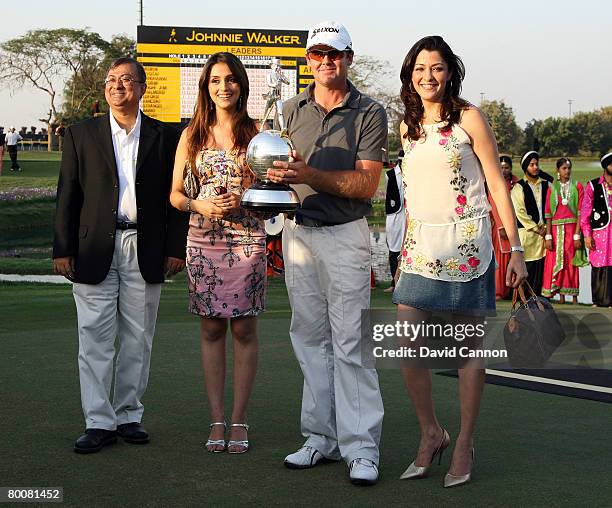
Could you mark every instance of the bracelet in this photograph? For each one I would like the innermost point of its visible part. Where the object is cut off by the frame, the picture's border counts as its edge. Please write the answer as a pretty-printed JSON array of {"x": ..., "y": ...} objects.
[
  {"x": 577, "y": 237},
  {"x": 188, "y": 205},
  {"x": 548, "y": 237},
  {"x": 517, "y": 248}
]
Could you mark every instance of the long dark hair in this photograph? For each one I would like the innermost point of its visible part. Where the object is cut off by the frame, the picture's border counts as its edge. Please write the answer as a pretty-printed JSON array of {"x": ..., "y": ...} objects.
[
  {"x": 452, "y": 104},
  {"x": 199, "y": 128}
]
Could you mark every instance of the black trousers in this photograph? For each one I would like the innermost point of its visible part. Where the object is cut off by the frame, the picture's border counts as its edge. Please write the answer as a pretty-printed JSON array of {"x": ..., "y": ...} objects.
[
  {"x": 393, "y": 264},
  {"x": 535, "y": 272},
  {"x": 12, "y": 150},
  {"x": 601, "y": 286}
]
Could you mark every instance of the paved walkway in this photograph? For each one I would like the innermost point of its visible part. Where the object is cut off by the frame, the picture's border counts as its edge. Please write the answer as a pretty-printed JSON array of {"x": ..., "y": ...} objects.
[{"x": 52, "y": 279}]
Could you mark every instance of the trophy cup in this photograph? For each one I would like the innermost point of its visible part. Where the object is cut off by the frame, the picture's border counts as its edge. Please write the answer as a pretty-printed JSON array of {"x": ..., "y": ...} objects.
[{"x": 267, "y": 147}]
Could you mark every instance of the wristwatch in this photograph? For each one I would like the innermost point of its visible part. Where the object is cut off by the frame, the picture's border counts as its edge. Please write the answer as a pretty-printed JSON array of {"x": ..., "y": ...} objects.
[{"x": 517, "y": 248}]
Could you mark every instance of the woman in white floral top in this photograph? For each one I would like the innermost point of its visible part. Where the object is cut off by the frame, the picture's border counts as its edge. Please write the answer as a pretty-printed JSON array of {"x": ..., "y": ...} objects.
[{"x": 447, "y": 260}]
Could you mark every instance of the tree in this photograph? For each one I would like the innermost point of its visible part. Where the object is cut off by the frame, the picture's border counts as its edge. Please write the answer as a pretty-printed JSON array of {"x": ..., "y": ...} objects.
[
  {"x": 510, "y": 137},
  {"x": 373, "y": 77},
  {"x": 530, "y": 141},
  {"x": 546, "y": 132},
  {"x": 594, "y": 130},
  {"x": 585, "y": 133},
  {"x": 44, "y": 58},
  {"x": 605, "y": 146}
]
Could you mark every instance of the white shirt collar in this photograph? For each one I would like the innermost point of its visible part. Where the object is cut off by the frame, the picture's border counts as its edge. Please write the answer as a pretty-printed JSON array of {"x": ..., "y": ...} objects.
[{"x": 115, "y": 127}]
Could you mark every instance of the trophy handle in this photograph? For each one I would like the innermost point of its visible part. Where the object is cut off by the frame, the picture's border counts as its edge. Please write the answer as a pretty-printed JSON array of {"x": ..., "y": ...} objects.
[{"x": 285, "y": 136}]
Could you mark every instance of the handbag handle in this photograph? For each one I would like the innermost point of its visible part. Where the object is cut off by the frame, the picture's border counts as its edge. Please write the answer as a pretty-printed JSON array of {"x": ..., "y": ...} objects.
[{"x": 520, "y": 292}]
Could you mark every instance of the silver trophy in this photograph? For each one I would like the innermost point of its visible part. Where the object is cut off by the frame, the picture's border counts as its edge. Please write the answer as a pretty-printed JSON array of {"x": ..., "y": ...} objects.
[{"x": 267, "y": 147}]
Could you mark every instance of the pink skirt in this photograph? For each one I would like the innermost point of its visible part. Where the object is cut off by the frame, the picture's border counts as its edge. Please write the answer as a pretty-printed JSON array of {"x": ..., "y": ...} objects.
[{"x": 226, "y": 279}]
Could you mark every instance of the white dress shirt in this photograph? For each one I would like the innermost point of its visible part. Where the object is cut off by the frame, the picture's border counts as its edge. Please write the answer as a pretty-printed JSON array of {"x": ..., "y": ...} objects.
[
  {"x": 12, "y": 138},
  {"x": 126, "y": 154},
  {"x": 395, "y": 223}
]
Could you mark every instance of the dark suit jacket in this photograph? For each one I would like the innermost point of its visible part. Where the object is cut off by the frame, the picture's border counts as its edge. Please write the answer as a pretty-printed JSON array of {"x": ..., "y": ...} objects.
[{"x": 88, "y": 197}]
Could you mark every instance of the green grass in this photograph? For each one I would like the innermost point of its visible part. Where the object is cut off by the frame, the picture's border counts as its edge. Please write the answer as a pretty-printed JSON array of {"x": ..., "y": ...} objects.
[
  {"x": 40, "y": 170},
  {"x": 378, "y": 216},
  {"x": 583, "y": 170},
  {"x": 26, "y": 226},
  {"x": 532, "y": 449},
  {"x": 35, "y": 155},
  {"x": 27, "y": 264},
  {"x": 26, "y": 236},
  {"x": 26, "y": 214}
]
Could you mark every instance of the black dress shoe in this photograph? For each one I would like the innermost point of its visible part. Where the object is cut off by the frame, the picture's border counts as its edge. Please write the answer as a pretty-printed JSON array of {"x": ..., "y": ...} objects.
[
  {"x": 94, "y": 439},
  {"x": 133, "y": 433}
]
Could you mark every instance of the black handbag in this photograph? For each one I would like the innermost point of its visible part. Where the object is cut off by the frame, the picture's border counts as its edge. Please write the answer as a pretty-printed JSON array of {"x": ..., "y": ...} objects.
[{"x": 533, "y": 332}]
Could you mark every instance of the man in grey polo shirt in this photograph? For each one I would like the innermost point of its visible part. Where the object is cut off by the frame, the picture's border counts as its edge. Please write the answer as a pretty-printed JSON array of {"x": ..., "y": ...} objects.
[{"x": 340, "y": 138}]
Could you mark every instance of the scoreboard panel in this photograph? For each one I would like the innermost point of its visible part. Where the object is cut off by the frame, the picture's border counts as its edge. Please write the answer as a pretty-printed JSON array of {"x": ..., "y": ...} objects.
[{"x": 174, "y": 57}]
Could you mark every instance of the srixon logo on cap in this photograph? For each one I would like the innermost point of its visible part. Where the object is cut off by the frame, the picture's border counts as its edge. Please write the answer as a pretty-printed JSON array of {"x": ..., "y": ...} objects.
[{"x": 325, "y": 29}]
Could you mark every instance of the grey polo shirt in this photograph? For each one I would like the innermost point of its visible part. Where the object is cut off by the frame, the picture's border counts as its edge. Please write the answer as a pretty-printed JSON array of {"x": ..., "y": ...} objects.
[{"x": 355, "y": 130}]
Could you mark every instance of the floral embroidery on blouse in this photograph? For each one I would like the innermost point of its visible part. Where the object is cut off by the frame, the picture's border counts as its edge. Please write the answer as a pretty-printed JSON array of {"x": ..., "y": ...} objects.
[
  {"x": 464, "y": 266},
  {"x": 450, "y": 142}
]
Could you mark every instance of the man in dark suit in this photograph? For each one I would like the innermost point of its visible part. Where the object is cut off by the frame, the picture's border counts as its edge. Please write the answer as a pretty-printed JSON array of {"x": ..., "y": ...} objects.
[{"x": 116, "y": 236}]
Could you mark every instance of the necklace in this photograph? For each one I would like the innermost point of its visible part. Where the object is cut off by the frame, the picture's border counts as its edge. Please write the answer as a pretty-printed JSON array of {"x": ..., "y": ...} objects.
[
  {"x": 608, "y": 187},
  {"x": 565, "y": 193}
]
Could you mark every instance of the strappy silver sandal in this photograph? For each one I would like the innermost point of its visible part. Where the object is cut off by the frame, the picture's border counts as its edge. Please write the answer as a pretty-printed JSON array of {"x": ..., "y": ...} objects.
[
  {"x": 243, "y": 444},
  {"x": 216, "y": 442}
]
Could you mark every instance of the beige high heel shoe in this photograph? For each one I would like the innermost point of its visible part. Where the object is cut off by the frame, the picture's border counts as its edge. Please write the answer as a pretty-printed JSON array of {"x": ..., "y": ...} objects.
[
  {"x": 450, "y": 480},
  {"x": 415, "y": 472}
]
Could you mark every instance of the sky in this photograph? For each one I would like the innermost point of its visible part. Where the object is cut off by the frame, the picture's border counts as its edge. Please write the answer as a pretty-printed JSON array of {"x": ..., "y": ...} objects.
[{"x": 534, "y": 55}]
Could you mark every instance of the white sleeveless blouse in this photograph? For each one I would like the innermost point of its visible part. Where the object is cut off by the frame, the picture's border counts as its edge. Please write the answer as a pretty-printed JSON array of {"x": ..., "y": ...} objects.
[{"x": 448, "y": 235}]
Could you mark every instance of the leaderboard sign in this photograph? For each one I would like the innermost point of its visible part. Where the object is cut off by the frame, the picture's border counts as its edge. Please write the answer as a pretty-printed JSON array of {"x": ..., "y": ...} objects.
[{"x": 174, "y": 57}]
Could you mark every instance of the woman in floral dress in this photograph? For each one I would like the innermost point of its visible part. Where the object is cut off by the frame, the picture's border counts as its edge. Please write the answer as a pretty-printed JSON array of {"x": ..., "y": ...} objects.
[
  {"x": 226, "y": 251},
  {"x": 447, "y": 260}
]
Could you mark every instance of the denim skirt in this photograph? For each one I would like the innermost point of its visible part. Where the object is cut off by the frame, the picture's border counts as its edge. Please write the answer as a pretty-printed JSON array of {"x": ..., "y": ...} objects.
[{"x": 476, "y": 296}]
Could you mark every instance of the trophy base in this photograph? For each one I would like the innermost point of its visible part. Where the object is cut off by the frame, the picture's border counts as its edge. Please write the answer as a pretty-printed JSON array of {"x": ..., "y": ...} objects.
[{"x": 269, "y": 197}]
